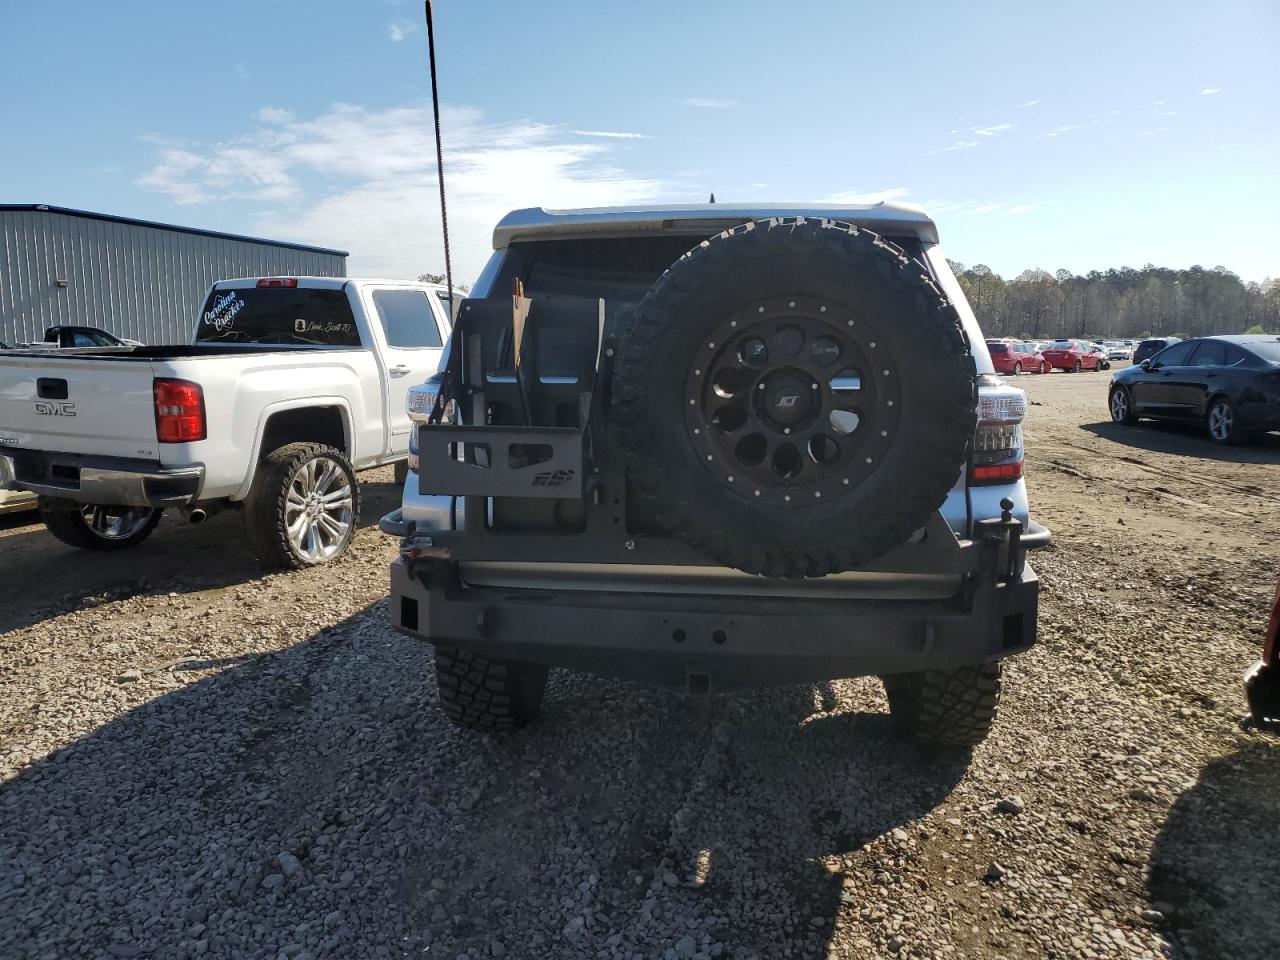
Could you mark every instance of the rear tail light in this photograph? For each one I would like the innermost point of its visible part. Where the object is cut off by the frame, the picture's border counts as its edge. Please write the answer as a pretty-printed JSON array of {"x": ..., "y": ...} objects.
[
  {"x": 997, "y": 442},
  {"x": 278, "y": 282},
  {"x": 179, "y": 411}
]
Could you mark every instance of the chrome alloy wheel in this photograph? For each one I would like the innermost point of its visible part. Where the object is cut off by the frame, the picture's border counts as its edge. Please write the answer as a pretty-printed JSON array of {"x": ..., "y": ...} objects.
[
  {"x": 1119, "y": 406},
  {"x": 318, "y": 509},
  {"x": 115, "y": 523},
  {"x": 1222, "y": 421}
]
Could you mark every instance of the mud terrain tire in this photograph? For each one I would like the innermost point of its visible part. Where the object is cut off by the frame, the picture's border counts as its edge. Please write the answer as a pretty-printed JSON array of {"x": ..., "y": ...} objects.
[
  {"x": 895, "y": 335},
  {"x": 484, "y": 694},
  {"x": 950, "y": 708}
]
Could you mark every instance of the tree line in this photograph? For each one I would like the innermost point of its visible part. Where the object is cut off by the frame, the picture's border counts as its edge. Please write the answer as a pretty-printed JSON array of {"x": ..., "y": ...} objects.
[{"x": 1119, "y": 303}]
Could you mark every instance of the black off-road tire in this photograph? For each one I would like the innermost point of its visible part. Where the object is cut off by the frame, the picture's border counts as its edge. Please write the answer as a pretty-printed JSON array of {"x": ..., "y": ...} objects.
[
  {"x": 950, "y": 708},
  {"x": 264, "y": 508},
  {"x": 491, "y": 695},
  {"x": 860, "y": 275},
  {"x": 64, "y": 519}
]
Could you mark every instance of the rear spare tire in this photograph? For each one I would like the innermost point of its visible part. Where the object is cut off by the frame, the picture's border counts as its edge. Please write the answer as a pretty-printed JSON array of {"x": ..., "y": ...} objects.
[{"x": 794, "y": 397}]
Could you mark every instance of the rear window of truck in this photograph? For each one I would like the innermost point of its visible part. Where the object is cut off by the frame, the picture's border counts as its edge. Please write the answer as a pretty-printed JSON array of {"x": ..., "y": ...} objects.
[{"x": 298, "y": 316}]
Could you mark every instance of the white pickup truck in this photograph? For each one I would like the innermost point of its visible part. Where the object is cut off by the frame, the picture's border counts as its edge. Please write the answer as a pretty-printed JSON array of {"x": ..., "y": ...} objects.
[{"x": 289, "y": 386}]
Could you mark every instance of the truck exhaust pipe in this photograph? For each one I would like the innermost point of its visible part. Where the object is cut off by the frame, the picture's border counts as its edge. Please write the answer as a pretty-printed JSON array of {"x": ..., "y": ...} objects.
[{"x": 197, "y": 515}]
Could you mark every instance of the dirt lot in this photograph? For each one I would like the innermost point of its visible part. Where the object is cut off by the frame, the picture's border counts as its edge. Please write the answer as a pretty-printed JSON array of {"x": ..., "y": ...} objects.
[{"x": 197, "y": 760}]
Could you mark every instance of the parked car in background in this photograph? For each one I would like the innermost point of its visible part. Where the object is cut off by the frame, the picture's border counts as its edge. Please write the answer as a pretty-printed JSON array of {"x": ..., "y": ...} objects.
[
  {"x": 289, "y": 385},
  {"x": 1149, "y": 348},
  {"x": 1013, "y": 357},
  {"x": 65, "y": 337},
  {"x": 1074, "y": 356},
  {"x": 1120, "y": 351},
  {"x": 1231, "y": 384}
]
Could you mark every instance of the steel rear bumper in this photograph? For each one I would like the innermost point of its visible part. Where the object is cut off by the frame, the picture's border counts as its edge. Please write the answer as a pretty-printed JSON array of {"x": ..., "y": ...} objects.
[
  {"x": 710, "y": 643},
  {"x": 103, "y": 480}
]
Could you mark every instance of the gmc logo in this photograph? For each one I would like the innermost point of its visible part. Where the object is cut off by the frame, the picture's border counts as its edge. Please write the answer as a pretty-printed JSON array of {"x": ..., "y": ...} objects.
[{"x": 63, "y": 408}]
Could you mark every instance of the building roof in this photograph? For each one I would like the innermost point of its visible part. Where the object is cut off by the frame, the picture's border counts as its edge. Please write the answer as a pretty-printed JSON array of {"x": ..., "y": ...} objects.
[
  {"x": 536, "y": 223},
  {"x": 112, "y": 218}
]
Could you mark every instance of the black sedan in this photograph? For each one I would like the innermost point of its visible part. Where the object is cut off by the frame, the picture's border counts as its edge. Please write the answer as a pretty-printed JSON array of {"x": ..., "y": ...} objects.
[{"x": 1230, "y": 384}]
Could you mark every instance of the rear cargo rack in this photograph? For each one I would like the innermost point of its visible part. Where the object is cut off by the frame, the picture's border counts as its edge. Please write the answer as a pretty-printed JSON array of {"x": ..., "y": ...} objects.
[{"x": 527, "y": 388}]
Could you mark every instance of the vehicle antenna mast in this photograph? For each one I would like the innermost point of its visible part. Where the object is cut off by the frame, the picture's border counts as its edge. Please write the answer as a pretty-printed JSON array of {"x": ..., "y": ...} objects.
[{"x": 435, "y": 107}]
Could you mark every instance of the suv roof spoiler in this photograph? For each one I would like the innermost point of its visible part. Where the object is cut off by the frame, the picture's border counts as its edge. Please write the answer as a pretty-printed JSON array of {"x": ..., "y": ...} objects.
[{"x": 539, "y": 223}]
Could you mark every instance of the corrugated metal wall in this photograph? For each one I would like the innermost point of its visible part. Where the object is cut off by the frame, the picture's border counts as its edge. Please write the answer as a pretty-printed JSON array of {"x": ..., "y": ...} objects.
[{"x": 140, "y": 282}]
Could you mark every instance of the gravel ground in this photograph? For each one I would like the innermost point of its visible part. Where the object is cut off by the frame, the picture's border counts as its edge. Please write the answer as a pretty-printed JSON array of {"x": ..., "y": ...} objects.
[{"x": 196, "y": 760}]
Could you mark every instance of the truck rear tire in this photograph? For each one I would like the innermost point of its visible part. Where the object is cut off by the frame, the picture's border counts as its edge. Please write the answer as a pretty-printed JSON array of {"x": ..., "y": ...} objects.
[
  {"x": 949, "y": 708},
  {"x": 97, "y": 526},
  {"x": 492, "y": 695},
  {"x": 794, "y": 397},
  {"x": 303, "y": 507}
]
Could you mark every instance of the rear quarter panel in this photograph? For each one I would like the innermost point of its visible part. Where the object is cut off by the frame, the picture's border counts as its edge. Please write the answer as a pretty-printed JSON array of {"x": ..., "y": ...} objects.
[{"x": 241, "y": 394}]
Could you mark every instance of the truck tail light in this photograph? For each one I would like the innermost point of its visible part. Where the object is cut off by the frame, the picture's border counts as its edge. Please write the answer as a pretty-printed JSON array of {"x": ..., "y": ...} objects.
[
  {"x": 997, "y": 442},
  {"x": 278, "y": 282},
  {"x": 179, "y": 411}
]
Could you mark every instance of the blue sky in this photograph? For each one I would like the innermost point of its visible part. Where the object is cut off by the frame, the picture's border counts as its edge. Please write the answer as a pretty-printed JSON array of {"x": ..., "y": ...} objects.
[{"x": 1084, "y": 136}]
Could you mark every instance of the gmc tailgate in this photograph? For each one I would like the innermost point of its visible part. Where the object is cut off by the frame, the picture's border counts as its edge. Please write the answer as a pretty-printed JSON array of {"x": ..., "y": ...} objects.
[{"x": 91, "y": 405}]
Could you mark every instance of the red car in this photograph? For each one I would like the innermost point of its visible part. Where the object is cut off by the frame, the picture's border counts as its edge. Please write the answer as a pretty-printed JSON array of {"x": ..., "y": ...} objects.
[
  {"x": 1015, "y": 357},
  {"x": 1075, "y": 355}
]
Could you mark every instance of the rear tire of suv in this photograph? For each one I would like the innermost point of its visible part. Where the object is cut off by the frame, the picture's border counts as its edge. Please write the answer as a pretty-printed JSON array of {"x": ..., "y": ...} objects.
[
  {"x": 303, "y": 507},
  {"x": 97, "y": 527},
  {"x": 794, "y": 397},
  {"x": 950, "y": 708},
  {"x": 492, "y": 695}
]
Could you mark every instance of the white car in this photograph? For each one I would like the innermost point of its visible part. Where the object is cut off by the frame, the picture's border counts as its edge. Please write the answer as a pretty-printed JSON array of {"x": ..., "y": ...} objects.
[
  {"x": 1119, "y": 351},
  {"x": 289, "y": 385}
]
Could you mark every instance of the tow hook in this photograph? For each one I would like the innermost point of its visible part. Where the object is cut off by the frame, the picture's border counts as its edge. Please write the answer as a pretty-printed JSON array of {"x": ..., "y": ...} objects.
[
  {"x": 1262, "y": 680},
  {"x": 1006, "y": 533}
]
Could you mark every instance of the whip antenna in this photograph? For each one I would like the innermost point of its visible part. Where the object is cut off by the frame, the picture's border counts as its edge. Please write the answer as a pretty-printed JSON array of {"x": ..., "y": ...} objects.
[{"x": 435, "y": 107}]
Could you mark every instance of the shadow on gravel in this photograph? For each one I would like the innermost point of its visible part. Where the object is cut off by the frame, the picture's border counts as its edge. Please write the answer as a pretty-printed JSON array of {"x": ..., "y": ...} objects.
[
  {"x": 628, "y": 818},
  {"x": 41, "y": 577},
  {"x": 1189, "y": 439},
  {"x": 1216, "y": 862}
]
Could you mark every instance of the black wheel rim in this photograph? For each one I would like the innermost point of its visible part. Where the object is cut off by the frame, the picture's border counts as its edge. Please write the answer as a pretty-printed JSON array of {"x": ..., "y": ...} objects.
[{"x": 792, "y": 401}]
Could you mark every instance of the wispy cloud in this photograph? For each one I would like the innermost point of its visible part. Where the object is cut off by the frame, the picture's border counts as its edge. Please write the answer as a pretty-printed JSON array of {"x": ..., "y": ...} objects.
[
  {"x": 611, "y": 134},
  {"x": 274, "y": 115},
  {"x": 316, "y": 180},
  {"x": 962, "y": 145},
  {"x": 241, "y": 71},
  {"x": 1210, "y": 91},
  {"x": 992, "y": 130},
  {"x": 1029, "y": 103},
  {"x": 856, "y": 196},
  {"x": 399, "y": 29},
  {"x": 977, "y": 208},
  {"x": 1059, "y": 131},
  {"x": 706, "y": 103},
  {"x": 1157, "y": 130}
]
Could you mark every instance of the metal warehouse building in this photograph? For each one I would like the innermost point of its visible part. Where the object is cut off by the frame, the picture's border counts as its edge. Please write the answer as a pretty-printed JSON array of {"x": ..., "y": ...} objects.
[{"x": 140, "y": 280}]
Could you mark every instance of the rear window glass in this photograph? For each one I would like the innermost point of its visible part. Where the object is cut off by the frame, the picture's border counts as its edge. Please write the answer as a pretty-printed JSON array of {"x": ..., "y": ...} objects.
[
  {"x": 997, "y": 348},
  {"x": 284, "y": 315},
  {"x": 1267, "y": 350}
]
